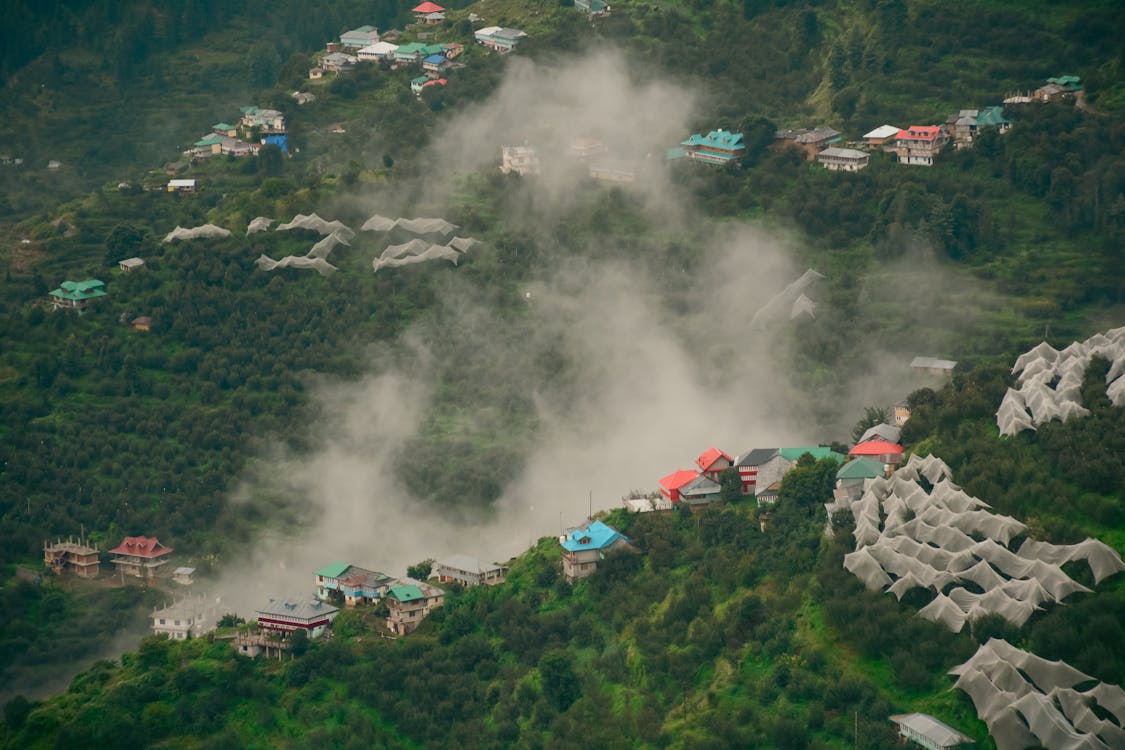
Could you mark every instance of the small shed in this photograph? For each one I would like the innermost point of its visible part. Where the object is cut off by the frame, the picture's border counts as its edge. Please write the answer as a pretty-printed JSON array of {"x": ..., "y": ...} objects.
[
  {"x": 928, "y": 732},
  {"x": 130, "y": 263},
  {"x": 181, "y": 186},
  {"x": 185, "y": 576},
  {"x": 142, "y": 323}
]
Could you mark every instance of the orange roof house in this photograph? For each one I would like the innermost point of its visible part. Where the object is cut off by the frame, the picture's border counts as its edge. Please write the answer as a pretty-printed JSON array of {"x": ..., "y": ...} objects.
[
  {"x": 140, "y": 556},
  {"x": 712, "y": 462}
]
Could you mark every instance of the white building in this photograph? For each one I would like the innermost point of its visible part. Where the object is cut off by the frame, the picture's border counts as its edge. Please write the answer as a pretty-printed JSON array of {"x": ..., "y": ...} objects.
[
  {"x": 189, "y": 617},
  {"x": 929, "y": 732}
]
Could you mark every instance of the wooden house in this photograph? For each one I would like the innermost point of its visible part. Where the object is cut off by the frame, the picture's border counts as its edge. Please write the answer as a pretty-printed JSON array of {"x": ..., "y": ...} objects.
[
  {"x": 882, "y": 137},
  {"x": 142, "y": 323},
  {"x": 809, "y": 141}
]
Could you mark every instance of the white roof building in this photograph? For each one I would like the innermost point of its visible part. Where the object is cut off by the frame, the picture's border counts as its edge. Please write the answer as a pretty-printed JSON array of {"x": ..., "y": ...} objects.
[
  {"x": 377, "y": 51},
  {"x": 928, "y": 731},
  {"x": 882, "y": 133}
]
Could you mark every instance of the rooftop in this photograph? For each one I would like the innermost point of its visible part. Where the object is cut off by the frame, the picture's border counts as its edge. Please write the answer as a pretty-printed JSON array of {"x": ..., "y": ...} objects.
[
  {"x": 305, "y": 609},
  {"x": 141, "y": 546},
  {"x": 594, "y": 535},
  {"x": 941, "y": 734}
]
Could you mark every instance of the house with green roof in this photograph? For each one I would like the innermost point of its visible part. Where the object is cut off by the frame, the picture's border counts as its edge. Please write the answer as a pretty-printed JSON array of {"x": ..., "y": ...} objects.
[
  {"x": 593, "y": 8},
  {"x": 353, "y": 584},
  {"x": 719, "y": 147},
  {"x": 225, "y": 128},
  {"x": 364, "y": 36},
  {"x": 852, "y": 476},
  {"x": 410, "y": 53},
  {"x": 76, "y": 295},
  {"x": 409, "y": 602}
]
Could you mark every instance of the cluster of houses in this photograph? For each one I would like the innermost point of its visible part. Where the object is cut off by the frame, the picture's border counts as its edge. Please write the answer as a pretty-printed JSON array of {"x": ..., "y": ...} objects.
[
  {"x": 363, "y": 44},
  {"x": 136, "y": 556},
  {"x": 256, "y": 127}
]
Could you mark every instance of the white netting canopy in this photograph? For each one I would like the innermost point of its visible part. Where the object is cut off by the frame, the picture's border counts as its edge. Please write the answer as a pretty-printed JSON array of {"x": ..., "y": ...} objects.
[
  {"x": 319, "y": 225},
  {"x": 207, "y": 231},
  {"x": 1027, "y": 701},
  {"x": 1050, "y": 382},
  {"x": 260, "y": 224},
  {"x": 907, "y": 537},
  {"x": 320, "y": 265}
]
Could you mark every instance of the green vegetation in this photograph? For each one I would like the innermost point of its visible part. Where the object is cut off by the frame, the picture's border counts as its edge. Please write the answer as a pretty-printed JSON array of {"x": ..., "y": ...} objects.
[{"x": 719, "y": 633}]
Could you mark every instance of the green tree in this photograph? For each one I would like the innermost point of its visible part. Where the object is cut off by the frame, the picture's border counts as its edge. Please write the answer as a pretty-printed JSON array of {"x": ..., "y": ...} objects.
[
  {"x": 560, "y": 684},
  {"x": 872, "y": 415},
  {"x": 730, "y": 484},
  {"x": 422, "y": 570}
]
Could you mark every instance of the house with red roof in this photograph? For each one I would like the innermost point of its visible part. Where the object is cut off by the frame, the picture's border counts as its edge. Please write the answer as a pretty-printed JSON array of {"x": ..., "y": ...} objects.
[
  {"x": 429, "y": 12},
  {"x": 920, "y": 144},
  {"x": 689, "y": 487},
  {"x": 712, "y": 462},
  {"x": 140, "y": 556},
  {"x": 883, "y": 451}
]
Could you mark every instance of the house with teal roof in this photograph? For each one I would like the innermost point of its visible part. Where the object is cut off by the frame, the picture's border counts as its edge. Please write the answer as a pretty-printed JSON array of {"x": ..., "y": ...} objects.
[
  {"x": 852, "y": 476},
  {"x": 593, "y": 8},
  {"x": 583, "y": 547},
  {"x": 76, "y": 295},
  {"x": 409, "y": 602},
  {"x": 719, "y": 147},
  {"x": 353, "y": 584},
  {"x": 410, "y": 53}
]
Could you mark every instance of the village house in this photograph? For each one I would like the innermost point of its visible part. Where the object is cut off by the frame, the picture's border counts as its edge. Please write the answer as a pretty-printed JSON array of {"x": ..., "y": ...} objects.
[
  {"x": 884, "y": 451},
  {"x": 303, "y": 97},
  {"x": 468, "y": 571},
  {"x": 809, "y": 141},
  {"x": 932, "y": 366},
  {"x": 902, "y": 413},
  {"x": 719, "y": 147},
  {"x": 414, "y": 52},
  {"x": 355, "y": 585},
  {"x": 484, "y": 34},
  {"x": 434, "y": 65},
  {"x": 689, "y": 488},
  {"x": 713, "y": 462},
  {"x": 968, "y": 122},
  {"x": 851, "y": 477},
  {"x": 130, "y": 264},
  {"x": 636, "y": 502},
  {"x": 189, "y": 617},
  {"x": 224, "y": 128},
  {"x": 928, "y": 732},
  {"x": 285, "y": 616},
  {"x": 76, "y": 295},
  {"x": 364, "y": 36},
  {"x": 77, "y": 557},
  {"x": 523, "y": 160},
  {"x": 140, "y": 556},
  {"x": 882, "y": 137},
  {"x": 315, "y": 74},
  {"x": 428, "y": 13},
  {"x": 184, "y": 576},
  {"x": 181, "y": 186},
  {"x": 142, "y": 323},
  {"x": 424, "y": 82},
  {"x": 505, "y": 40},
  {"x": 919, "y": 144},
  {"x": 748, "y": 465},
  {"x": 265, "y": 120},
  {"x": 768, "y": 495},
  {"x": 378, "y": 52},
  {"x": 843, "y": 159},
  {"x": 585, "y": 546},
  {"x": 336, "y": 62},
  {"x": 409, "y": 602},
  {"x": 882, "y": 431},
  {"x": 1062, "y": 87}
]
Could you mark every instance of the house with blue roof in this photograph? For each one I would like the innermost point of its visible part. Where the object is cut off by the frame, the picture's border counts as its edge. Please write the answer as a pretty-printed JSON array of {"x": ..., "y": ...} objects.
[
  {"x": 435, "y": 64},
  {"x": 719, "y": 147},
  {"x": 585, "y": 546}
]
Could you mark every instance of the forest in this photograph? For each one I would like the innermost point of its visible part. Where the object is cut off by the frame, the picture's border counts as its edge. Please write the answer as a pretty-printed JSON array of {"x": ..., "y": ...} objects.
[{"x": 726, "y": 630}]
